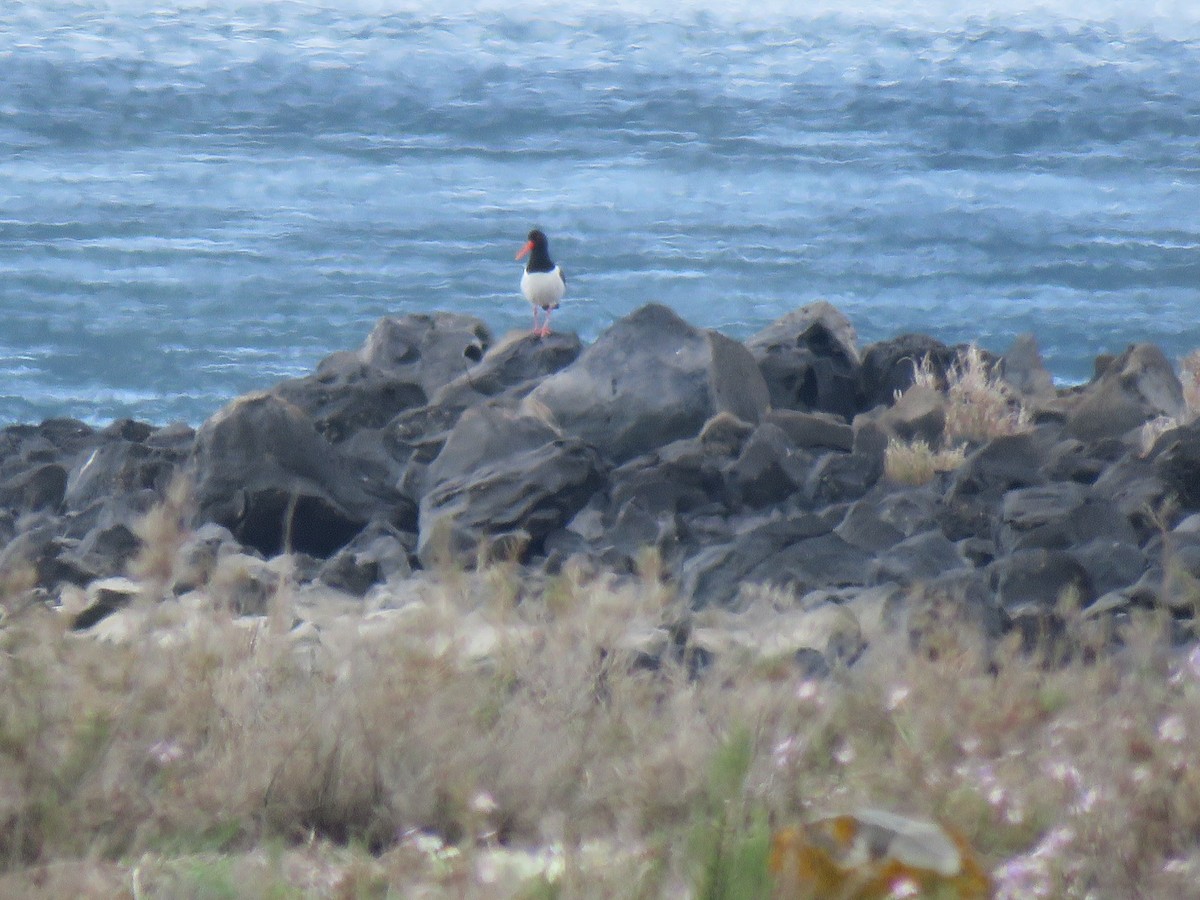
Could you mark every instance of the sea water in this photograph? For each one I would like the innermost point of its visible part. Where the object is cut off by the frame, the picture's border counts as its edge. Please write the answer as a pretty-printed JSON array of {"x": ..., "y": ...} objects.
[{"x": 198, "y": 199}]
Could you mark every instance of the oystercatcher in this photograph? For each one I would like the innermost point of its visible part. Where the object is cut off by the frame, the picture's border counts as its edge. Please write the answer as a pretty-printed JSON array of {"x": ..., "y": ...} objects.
[{"x": 543, "y": 283}]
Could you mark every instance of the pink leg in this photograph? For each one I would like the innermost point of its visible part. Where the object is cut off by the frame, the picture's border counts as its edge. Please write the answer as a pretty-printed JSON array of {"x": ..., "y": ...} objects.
[
  {"x": 546, "y": 323},
  {"x": 535, "y": 321}
]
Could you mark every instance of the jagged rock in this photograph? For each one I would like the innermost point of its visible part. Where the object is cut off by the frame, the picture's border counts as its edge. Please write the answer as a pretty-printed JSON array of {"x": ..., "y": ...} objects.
[
  {"x": 1137, "y": 386},
  {"x": 42, "y": 488},
  {"x": 1111, "y": 564},
  {"x": 809, "y": 360},
  {"x": 918, "y": 415},
  {"x": 650, "y": 379},
  {"x": 999, "y": 466},
  {"x": 435, "y": 349},
  {"x": 262, "y": 470},
  {"x": 401, "y": 364},
  {"x": 838, "y": 477},
  {"x": 1059, "y": 516},
  {"x": 484, "y": 435},
  {"x": 770, "y": 468},
  {"x": 918, "y": 558},
  {"x": 1176, "y": 457},
  {"x": 377, "y": 554},
  {"x": 518, "y": 499},
  {"x": 887, "y": 366},
  {"x": 1040, "y": 579},
  {"x": 812, "y": 430},
  {"x": 517, "y": 360},
  {"x": 1023, "y": 368},
  {"x": 119, "y": 467}
]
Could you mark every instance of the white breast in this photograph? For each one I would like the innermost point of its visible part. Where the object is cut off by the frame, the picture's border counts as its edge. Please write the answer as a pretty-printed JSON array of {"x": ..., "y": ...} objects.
[{"x": 543, "y": 289}]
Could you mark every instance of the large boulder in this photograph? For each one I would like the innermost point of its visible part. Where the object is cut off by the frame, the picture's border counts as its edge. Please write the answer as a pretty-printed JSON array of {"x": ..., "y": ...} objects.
[
  {"x": 512, "y": 502},
  {"x": 401, "y": 364},
  {"x": 650, "y": 379},
  {"x": 1132, "y": 389},
  {"x": 263, "y": 471},
  {"x": 809, "y": 359},
  {"x": 888, "y": 366},
  {"x": 517, "y": 360}
]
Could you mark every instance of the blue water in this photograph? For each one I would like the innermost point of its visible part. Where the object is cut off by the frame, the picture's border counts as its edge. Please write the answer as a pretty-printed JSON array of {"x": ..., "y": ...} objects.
[{"x": 202, "y": 198}]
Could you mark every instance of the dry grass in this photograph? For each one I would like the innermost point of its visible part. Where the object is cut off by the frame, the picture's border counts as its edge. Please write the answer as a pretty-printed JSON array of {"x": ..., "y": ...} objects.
[
  {"x": 915, "y": 462},
  {"x": 979, "y": 406},
  {"x": 486, "y": 739}
]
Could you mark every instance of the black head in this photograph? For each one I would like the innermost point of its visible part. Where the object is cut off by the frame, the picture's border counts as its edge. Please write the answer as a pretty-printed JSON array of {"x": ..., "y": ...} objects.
[{"x": 538, "y": 248}]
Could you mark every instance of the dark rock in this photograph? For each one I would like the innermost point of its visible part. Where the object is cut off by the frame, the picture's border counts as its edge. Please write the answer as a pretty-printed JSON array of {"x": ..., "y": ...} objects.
[
  {"x": 809, "y": 360},
  {"x": 377, "y": 554},
  {"x": 177, "y": 436},
  {"x": 919, "y": 414},
  {"x": 517, "y": 501},
  {"x": 432, "y": 349},
  {"x": 262, "y": 470},
  {"x": 512, "y": 362},
  {"x": 714, "y": 576},
  {"x": 1060, "y": 516},
  {"x": 1135, "y": 387},
  {"x": 1073, "y": 460},
  {"x": 105, "y": 552},
  {"x": 650, "y": 379},
  {"x": 42, "y": 488},
  {"x": 1111, "y": 564},
  {"x": 1136, "y": 488},
  {"x": 1023, "y": 368},
  {"x": 484, "y": 435},
  {"x": 1040, "y": 579},
  {"x": 838, "y": 477},
  {"x": 1176, "y": 457},
  {"x": 918, "y": 558},
  {"x": 812, "y": 430},
  {"x": 119, "y": 467},
  {"x": 770, "y": 468},
  {"x": 999, "y": 466},
  {"x": 887, "y": 366},
  {"x": 346, "y": 396}
]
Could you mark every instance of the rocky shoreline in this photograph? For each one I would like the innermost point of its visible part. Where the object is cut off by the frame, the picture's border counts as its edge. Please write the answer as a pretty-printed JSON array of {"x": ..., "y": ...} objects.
[{"x": 739, "y": 467}]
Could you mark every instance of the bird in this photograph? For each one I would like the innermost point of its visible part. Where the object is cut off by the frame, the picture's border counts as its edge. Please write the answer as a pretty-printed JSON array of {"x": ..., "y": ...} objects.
[{"x": 542, "y": 283}]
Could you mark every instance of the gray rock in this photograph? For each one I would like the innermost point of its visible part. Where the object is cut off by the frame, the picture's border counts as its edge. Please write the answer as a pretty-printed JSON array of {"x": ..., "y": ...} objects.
[
  {"x": 262, "y": 470},
  {"x": 377, "y": 554},
  {"x": 918, "y": 415},
  {"x": 812, "y": 430},
  {"x": 433, "y": 349},
  {"x": 809, "y": 360},
  {"x": 515, "y": 361},
  {"x": 517, "y": 500},
  {"x": 838, "y": 477},
  {"x": 41, "y": 488},
  {"x": 1039, "y": 579},
  {"x": 650, "y": 379},
  {"x": 1023, "y": 368},
  {"x": 887, "y": 366},
  {"x": 918, "y": 558},
  {"x": 1001, "y": 465},
  {"x": 715, "y": 575},
  {"x": 484, "y": 435},
  {"x": 1137, "y": 386},
  {"x": 770, "y": 468},
  {"x": 1176, "y": 458}
]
